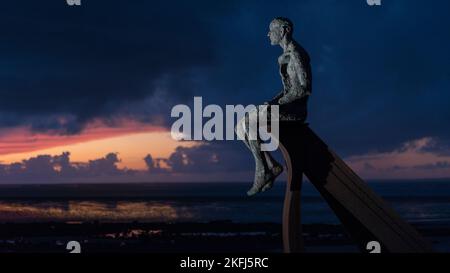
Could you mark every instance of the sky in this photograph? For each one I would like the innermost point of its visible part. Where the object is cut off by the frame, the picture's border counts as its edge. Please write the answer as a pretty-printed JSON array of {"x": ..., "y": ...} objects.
[{"x": 86, "y": 91}]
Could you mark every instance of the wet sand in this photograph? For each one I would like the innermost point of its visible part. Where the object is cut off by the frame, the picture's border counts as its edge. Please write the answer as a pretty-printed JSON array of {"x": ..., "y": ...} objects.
[{"x": 219, "y": 236}]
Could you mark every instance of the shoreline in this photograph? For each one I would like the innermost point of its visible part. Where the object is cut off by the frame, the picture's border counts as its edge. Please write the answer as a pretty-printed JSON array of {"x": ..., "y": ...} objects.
[{"x": 185, "y": 237}]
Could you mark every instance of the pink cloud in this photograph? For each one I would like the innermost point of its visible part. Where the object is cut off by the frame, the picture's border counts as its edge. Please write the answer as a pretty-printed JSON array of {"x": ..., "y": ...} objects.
[
  {"x": 22, "y": 139},
  {"x": 414, "y": 159}
]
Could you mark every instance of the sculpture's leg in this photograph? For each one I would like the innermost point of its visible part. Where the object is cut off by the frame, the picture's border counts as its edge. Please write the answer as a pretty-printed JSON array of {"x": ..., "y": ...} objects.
[
  {"x": 266, "y": 168},
  {"x": 241, "y": 132},
  {"x": 263, "y": 175},
  {"x": 275, "y": 168},
  {"x": 269, "y": 161},
  {"x": 253, "y": 145}
]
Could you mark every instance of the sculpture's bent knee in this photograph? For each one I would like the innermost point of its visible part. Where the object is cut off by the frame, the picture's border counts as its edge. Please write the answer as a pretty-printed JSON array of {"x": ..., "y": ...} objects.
[{"x": 240, "y": 129}]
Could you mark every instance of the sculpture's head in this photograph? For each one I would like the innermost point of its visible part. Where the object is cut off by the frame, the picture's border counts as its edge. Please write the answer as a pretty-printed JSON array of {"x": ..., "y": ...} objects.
[{"x": 279, "y": 29}]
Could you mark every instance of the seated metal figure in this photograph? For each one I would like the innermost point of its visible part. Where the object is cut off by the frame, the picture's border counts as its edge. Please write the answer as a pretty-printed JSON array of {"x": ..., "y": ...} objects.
[{"x": 295, "y": 71}]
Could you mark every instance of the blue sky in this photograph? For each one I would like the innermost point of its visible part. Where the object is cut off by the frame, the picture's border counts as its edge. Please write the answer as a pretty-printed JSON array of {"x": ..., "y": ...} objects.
[{"x": 380, "y": 74}]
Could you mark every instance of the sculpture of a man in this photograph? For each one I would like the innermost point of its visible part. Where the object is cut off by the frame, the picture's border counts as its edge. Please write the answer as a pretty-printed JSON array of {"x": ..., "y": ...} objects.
[{"x": 295, "y": 71}]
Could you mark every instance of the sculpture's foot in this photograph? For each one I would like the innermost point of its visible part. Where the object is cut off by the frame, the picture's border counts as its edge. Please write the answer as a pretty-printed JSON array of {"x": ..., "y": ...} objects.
[
  {"x": 276, "y": 171},
  {"x": 265, "y": 181}
]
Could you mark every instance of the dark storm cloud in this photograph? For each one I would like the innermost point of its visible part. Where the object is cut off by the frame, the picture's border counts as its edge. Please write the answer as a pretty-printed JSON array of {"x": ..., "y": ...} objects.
[
  {"x": 47, "y": 168},
  {"x": 155, "y": 165},
  {"x": 94, "y": 60},
  {"x": 389, "y": 77},
  {"x": 211, "y": 157},
  {"x": 380, "y": 74}
]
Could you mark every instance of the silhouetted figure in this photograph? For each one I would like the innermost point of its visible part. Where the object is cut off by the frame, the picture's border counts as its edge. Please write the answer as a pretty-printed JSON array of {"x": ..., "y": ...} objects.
[{"x": 295, "y": 71}]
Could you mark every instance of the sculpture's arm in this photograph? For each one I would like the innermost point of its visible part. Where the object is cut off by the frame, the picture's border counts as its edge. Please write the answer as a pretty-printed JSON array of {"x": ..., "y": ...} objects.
[
  {"x": 275, "y": 99},
  {"x": 301, "y": 74},
  {"x": 299, "y": 81},
  {"x": 287, "y": 98}
]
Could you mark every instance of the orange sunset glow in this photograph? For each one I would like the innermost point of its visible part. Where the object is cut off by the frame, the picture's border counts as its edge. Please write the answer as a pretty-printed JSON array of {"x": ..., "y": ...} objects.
[{"x": 131, "y": 140}]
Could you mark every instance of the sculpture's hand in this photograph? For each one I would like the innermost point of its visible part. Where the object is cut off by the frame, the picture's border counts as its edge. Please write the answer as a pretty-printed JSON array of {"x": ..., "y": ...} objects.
[
  {"x": 284, "y": 100},
  {"x": 275, "y": 99},
  {"x": 290, "y": 97}
]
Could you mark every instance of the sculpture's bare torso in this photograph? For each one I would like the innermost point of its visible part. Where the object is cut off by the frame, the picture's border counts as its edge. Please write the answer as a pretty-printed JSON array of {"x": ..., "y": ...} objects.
[{"x": 295, "y": 71}]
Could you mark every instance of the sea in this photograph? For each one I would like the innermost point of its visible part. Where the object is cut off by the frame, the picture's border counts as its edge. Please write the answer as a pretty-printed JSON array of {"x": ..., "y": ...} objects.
[{"x": 423, "y": 203}]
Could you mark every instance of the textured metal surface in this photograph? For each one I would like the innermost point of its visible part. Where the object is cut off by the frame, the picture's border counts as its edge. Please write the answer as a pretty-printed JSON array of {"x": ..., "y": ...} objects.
[{"x": 295, "y": 72}]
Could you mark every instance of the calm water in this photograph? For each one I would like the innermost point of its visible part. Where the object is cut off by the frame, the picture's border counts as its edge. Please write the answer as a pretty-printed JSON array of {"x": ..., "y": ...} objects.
[{"x": 418, "y": 201}]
